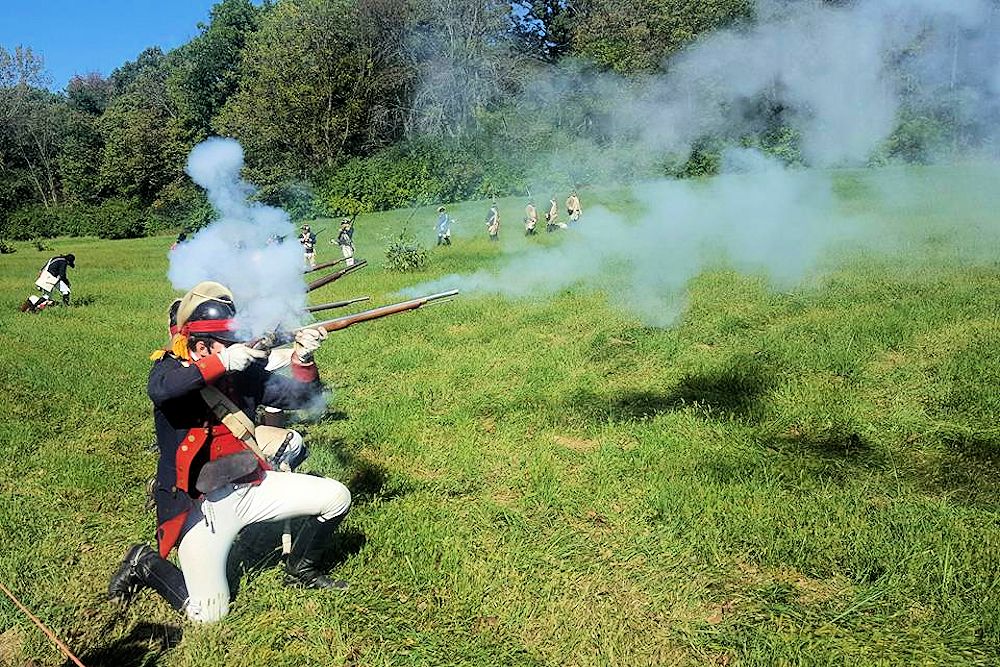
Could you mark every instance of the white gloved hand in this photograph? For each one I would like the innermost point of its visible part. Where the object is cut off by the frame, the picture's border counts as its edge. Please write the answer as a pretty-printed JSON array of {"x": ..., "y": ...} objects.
[
  {"x": 238, "y": 356},
  {"x": 308, "y": 341}
]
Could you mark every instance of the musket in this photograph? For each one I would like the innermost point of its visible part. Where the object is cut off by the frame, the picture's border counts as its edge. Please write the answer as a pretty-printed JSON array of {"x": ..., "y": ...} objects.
[
  {"x": 336, "y": 304},
  {"x": 279, "y": 338},
  {"x": 327, "y": 265},
  {"x": 336, "y": 275}
]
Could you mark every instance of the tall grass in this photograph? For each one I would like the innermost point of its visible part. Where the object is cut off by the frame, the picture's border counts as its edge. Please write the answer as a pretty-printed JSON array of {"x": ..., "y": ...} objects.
[{"x": 797, "y": 476}]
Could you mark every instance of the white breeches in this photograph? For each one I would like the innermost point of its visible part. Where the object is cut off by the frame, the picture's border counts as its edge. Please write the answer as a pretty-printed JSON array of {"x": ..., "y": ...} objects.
[
  {"x": 218, "y": 518},
  {"x": 348, "y": 252},
  {"x": 48, "y": 282}
]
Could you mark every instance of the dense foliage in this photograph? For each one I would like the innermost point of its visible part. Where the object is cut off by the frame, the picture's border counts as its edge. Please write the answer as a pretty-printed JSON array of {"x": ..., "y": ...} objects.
[{"x": 360, "y": 105}]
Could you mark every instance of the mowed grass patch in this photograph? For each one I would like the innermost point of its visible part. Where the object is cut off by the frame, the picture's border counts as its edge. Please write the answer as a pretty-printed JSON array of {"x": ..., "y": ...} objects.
[{"x": 789, "y": 475}]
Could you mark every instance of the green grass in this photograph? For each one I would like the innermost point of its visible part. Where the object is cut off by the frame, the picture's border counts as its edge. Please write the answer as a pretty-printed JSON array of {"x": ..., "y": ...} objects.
[{"x": 784, "y": 477}]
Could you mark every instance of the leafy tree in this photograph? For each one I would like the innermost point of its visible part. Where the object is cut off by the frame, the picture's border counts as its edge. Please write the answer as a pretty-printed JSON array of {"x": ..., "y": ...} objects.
[
  {"x": 544, "y": 28},
  {"x": 204, "y": 72},
  {"x": 637, "y": 36},
  {"x": 143, "y": 151},
  {"x": 309, "y": 80},
  {"x": 29, "y": 123}
]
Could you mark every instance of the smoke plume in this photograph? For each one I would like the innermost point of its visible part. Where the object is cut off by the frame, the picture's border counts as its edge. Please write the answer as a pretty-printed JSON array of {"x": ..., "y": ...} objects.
[
  {"x": 240, "y": 249},
  {"x": 837, "y": 77}
]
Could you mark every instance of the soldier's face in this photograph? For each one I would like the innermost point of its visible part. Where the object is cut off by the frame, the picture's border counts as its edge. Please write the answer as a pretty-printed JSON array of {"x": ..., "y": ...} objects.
[{"x": 202, "y": 350}]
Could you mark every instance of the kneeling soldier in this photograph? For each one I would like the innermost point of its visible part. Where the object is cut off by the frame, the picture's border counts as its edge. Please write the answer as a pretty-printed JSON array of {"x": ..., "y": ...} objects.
[{"x": 212, "y": 478}]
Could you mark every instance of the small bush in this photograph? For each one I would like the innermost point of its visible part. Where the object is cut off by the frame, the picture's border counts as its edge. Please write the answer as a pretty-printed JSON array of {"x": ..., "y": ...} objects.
[
  {"x": 40, "y": 245},
  {"x": 404, "y": 254},
  {"x": 7, "y": 248}
]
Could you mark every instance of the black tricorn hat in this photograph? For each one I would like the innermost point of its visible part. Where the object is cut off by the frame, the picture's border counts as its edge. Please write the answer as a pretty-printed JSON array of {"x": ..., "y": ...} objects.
[{"x": 71, "y": 260}]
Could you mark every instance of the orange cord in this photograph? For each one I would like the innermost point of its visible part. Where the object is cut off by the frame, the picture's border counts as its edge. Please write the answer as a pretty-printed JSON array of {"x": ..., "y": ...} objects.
[{"x": 51, "y": 635}]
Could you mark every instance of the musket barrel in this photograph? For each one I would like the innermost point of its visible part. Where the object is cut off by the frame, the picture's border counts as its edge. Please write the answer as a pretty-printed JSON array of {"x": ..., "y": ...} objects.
[
  {"x": 278, "y": 338},
  {"x": 336, "y": 304},
  {"x": 327, "y": 265},
  {"x": 336, "y": 275}
]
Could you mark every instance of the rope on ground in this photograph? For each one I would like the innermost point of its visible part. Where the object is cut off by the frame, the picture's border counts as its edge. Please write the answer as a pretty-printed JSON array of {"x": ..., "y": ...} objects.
[{"x": 51, "y": 635}]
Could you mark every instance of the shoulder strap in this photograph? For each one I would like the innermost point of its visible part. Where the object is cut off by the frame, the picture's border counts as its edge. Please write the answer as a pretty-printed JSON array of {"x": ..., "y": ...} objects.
[{"x": 232, "y": 417}]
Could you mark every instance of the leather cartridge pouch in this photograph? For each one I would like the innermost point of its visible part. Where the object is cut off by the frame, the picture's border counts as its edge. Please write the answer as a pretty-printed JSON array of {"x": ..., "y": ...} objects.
[{"x": 226, "y": 470}]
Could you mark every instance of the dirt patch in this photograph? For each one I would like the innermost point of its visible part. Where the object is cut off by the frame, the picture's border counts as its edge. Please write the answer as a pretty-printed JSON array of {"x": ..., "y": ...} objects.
[
  {"x": 11, "y": 647},
  {"x": 576, "y": 444}
]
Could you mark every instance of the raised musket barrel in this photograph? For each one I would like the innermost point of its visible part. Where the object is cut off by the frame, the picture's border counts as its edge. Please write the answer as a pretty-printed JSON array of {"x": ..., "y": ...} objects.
[{"x": 336, "y": 275}]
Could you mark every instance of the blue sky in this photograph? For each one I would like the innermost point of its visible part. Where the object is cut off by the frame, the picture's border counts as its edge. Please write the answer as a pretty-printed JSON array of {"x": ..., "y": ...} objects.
[{"x": 81, "y": 36}]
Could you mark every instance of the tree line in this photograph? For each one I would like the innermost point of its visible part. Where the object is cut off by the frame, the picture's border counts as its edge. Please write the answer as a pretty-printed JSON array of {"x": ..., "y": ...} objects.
[{"x": 340, "y": 105}]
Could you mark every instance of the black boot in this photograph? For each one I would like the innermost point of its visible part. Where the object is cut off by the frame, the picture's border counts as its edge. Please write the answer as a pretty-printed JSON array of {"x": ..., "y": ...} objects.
[
  {"x": 302, "y": 566},
  {"x": 143, "y": 568},
  {"x": 65, "y": 299}
]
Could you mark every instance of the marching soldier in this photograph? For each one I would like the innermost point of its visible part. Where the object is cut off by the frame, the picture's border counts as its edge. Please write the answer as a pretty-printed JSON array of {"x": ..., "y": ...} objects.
[
  {"x": 212, "y": 478},
  {"x": 345, "y": 239},
  {"x": 573, "y": 209},
  {"x": 493, "y": 222},
  {"x": 552, "y": 217},
  {"x": 53, "y": 275},
  {"x": 443, "y": 227},
  {"x": 530, "y": 219},
  {"x": 308, "y": 241}
]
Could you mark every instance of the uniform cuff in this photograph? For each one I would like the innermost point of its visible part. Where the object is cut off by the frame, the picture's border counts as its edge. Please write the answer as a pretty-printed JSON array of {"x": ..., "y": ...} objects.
[
  {"x": 304, "y": 372},
  {"x": 211, "y": 368}
]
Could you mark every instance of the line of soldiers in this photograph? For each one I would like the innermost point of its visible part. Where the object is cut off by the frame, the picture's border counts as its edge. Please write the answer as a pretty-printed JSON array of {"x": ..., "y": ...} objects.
[
  {"x": 552, "y": 223},
  {"x": 573, "y": 209},
  {"x": 220, "y": 471}
]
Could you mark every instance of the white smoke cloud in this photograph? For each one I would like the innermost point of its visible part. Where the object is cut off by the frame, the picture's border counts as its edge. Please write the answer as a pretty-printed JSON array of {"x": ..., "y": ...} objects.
[
  {"x": 265, "y": 277},
  {"x": 839, "y": 76}
]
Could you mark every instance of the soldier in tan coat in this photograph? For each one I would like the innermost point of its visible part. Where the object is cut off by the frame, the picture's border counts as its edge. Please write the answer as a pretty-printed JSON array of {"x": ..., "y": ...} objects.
[
  {"x": 530, "y": 219},
  {"x": 573, "y": 209}
]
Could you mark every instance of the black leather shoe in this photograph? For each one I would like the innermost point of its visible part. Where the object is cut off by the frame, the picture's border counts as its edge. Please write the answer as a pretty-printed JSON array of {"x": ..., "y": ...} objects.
[
  {"x": 307, "y": 576},
  {"x": 127, "y": 580}
]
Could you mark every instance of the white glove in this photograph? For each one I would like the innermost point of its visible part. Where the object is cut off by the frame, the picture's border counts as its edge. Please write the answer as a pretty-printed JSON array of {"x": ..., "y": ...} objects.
[
  {"x": 238, "y": 356},
  {"x": 308, "y": 341}
]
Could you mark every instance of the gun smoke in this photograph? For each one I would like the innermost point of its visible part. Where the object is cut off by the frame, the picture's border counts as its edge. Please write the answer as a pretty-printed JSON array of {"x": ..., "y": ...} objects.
[
  {"x": 239, "y": 249},
  {"x": 839, "y": 78}
]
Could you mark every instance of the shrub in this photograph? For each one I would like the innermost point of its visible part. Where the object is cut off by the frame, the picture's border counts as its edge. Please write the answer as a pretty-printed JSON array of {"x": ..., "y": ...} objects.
[
  {"x": 404, "y": 253},
  {"x": 7, "y": 248}
]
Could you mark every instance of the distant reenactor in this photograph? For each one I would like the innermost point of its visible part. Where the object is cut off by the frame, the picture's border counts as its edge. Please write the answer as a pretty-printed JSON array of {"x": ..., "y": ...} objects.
[
  {"x": 181, "y": 238},
  {"x": 443, "y": 227},
  {"x": 573, "y": 209},
  {"x": 493, "y": 222},
  {"x": 308, "y": 241},
  {"x": 552, "y": 217},
  {"x": 345, "y": 239},
  {"x": 53, "y": 276},
  {"x": 530, "y": 219}
]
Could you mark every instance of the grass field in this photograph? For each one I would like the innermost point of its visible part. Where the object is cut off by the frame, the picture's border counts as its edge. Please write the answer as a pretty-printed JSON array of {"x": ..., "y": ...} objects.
[{"x": 795, "y": 476}]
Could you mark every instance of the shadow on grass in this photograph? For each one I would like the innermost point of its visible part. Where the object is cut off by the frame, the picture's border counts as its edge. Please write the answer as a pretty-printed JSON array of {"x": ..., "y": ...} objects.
[
  {"x": 968, "y": 471},
  {"x": 258, "y": 549},
  {"x": 729, "y": 392},
  {"x": 145, "y": 644}
]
